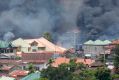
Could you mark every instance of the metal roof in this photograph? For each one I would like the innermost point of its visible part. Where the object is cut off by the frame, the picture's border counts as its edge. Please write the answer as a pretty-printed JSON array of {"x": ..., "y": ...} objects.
[
  {"x": 97, "y": 42},
  {"x": 32, "y": 76}
]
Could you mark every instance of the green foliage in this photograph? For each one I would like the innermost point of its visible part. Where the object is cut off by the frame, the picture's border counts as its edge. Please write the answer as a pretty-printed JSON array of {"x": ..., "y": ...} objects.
[
  {"x": 115, "y": 76},
  {"x": 85, "y": 75},
  {"x": 47, "y": 36},
  {"x": 64, "y": 71},
  {"x": 103, "y": 74},
  {"x": 18, "y": 58},
  {"x": 42, "y": 79},
  {"x": 80, "y": 66},
  {"x": 50, "y": 61},
  {"x": 31, "y": 68},
  {"x": 116, "y": 58}
]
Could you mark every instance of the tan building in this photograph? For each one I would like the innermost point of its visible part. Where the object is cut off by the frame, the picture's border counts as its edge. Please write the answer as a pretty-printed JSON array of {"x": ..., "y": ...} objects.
[{"x": 36, "y": 45}]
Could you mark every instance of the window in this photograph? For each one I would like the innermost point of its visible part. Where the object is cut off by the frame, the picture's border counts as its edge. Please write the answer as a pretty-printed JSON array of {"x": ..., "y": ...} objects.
[
  {"x": 29, "y": 49},
  {"x": 41, "y": 48},
  {"x": 11, "y": 50},
  {"x": 34, "y": 50},
  {"x": 37, "y": 68}
]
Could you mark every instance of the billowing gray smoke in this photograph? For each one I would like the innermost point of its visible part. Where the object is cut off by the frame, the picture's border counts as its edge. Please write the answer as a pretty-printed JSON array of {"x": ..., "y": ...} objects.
[
  {"x": 30, "y": 18},
  {"x": 99, "y": 19}
]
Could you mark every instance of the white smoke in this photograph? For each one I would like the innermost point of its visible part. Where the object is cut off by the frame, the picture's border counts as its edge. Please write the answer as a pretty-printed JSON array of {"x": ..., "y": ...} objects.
[{"x": 8, "y": 36}]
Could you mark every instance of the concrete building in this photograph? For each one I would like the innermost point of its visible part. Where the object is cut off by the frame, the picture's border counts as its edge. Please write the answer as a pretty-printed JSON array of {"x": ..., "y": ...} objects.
[
  {"x": 95, "y": 48},
  {"x": 36, "y": 45}
]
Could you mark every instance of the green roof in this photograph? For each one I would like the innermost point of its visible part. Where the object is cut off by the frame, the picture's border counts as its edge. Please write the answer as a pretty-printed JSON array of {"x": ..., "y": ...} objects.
[
  {"x": 107, "y": 42},
  {"x": 6, "y": 78},
  {"x": 4, "y": 44},
  {"x": 97, "y": 42},
  {"x": 32, "y": 76},
  {"x": 89, "y": 42}
]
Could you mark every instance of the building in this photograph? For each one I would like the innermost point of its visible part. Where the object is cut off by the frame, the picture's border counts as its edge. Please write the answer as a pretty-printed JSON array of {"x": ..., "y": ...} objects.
[
  {"x": 95, "y": 48},
  {"x": 7, "y": 50},
  {"x": 36, "y": 45},
  {"x": 39, "y": 60}
]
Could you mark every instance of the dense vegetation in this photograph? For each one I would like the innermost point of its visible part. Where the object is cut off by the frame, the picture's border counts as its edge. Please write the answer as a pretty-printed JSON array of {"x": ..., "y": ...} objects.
[{"x": 74, "y": 71}]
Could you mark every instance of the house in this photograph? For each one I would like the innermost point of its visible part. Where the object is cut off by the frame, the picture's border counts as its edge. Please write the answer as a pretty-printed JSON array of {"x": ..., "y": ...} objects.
[
  {"x": 32, "y": 76},
  {"x": 36, "y": 45},
  {"x": 7, "y": 50},
  {"x": 60, "y": 60},
  {"x": 39, "y": 60},
  {"x": 22, "y": 46},
  {"x": 97, "y": 64},
  {"x": 95, "y": 48}
]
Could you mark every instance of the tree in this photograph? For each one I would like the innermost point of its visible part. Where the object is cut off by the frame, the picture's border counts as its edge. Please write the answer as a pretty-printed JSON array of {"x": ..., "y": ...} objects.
[
  {"x": 103, "y": 74},
  {"x": 47, "y": 36},
  {"x": 31, "y": 68},
  {"x": 50, "y": 61},
  {"x": 41, "y": 79},
  {"x": 84, "y": 75},
  {"x": 116, "y": 58},
  {"x": 68, "y": 72}
]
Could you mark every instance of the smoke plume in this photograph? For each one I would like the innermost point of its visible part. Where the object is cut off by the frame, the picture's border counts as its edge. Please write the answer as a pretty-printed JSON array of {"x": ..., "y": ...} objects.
[{"x": 96, "y": 19}]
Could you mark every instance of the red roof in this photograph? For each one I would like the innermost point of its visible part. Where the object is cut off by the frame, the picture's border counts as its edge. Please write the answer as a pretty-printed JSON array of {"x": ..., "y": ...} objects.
[
  {"x": 115, "y": 42},
  {"x": 36, "y": 57},
  {"x": 61, "y": 60},
  {"x": 6, "y": 68},
  {"x": 18, "y": 73},
  {"x": 6, "y": 61}
]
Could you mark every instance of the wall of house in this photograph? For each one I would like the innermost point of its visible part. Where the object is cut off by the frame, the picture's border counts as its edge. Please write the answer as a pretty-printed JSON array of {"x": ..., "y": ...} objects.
[
  {"x": 95, "y": 50},
  {"x": 36, "y": 66}
]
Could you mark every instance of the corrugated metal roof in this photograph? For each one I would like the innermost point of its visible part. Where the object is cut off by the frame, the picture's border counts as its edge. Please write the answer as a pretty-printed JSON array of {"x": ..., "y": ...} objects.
[
  {"x": 97, "y": 42},
  {"x": 89, "y": 42},
  {"x": 4, "y": 44},
  {"x": 32, "y": 76}
]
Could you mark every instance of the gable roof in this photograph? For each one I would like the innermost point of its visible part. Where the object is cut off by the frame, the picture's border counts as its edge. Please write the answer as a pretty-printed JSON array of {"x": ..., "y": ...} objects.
[
  {"x": 20, "y": 42},
  {"x": 52, "y": 46},
  {"x": 107, "y": 42},
  {"x": 89, "y": 42},
  {"x": 97, "y": 42},
  {"x": 29, "y": 41},
  {"x": 42, "y": 42}
]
